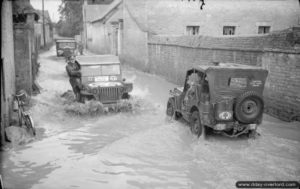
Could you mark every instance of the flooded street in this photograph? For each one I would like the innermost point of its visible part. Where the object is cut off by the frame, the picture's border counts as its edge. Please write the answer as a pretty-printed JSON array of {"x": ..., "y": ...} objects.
[{"x": 139, "y": 149}]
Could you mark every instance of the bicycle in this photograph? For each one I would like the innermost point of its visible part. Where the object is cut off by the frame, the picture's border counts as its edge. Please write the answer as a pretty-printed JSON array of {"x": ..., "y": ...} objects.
[{"x": 24, "y": 116}]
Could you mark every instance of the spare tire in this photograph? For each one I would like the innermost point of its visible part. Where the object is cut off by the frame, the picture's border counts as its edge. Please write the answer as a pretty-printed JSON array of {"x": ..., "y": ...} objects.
[{"x": 249, "y": 107}]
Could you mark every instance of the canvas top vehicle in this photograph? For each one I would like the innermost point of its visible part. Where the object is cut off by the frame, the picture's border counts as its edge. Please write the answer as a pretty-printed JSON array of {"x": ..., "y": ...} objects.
[
  {"x": 101, "y": 79},
  {"x": 226, "y": 98},
  {"x": 64, "y": 46}
]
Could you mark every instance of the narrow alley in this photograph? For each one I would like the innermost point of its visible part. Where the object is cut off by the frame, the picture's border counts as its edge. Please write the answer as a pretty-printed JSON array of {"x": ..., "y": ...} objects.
[{"x": 139, "y": 149}]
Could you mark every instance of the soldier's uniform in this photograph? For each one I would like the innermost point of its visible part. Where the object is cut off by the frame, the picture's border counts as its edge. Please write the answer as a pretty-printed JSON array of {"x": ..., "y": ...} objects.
[{"x": 73, "y": 70}]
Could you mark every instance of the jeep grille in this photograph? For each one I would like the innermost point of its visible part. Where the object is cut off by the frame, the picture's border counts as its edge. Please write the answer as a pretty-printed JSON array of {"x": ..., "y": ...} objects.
[{"x": 109, "y": 94}]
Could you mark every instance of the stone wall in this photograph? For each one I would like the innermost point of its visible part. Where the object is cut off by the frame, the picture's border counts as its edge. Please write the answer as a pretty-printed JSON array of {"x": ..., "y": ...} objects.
[
  {"x": 278, "y": 52},
  {"x": 283, "y": 85},
  {"x": 23, "y": 57},
  {"x": 7, "y": 56}
]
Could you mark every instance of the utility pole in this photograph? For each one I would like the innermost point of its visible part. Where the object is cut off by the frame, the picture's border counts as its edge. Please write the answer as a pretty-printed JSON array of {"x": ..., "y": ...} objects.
[{"x": 44, "y": 37}]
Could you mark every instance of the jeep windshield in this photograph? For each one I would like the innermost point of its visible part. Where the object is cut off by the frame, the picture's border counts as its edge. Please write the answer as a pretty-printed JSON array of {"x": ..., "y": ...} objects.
[
  {"x": 70, "y": 45},
  {"x": 110, "y": 69},
  {"x": 99, "y": 70}
]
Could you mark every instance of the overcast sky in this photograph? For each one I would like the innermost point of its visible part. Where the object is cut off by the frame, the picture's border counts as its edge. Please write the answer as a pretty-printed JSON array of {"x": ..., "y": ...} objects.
[{"x": 50, "y": 5}]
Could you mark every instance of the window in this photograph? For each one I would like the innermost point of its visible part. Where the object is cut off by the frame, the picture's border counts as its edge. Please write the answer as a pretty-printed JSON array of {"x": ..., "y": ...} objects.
[
  {"x": 228, "y": 30},
  {"x": 263, "y": 29},
  {"x": 110, "y": 69},
  {"x": 192, "y": 30}
]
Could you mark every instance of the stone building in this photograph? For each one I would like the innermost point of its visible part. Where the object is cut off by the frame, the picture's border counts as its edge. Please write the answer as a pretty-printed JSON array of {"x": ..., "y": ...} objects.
[
  {"x": 25, "y": 46},
  {"x": 90, "y": 12},
  {"x": 7, "y": 65},
  {"x": 218, "y": 18},
  {"x": 18, "y": 54},
  {"x": 103, "y": 28}
]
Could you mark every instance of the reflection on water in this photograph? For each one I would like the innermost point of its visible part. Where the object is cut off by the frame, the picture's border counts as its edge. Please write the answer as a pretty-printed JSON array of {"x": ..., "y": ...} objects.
[{"x": 138, "y": 149}]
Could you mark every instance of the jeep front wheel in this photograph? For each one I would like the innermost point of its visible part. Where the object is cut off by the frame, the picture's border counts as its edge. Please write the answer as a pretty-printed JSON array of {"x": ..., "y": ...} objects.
[
  {"x": 249, "y": 107},
  {"x": 196, "y": 127}
]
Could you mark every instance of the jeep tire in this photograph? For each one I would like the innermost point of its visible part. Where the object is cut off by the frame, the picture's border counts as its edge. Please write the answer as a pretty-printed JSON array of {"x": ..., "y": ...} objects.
[
  {"x": 249, "y": 107},
  {"x": 196, "y": 127}
]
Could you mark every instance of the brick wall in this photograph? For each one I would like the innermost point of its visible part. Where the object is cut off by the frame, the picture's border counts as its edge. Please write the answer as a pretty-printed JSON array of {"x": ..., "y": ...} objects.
[
  {"x": 278, "y": 52},
  {"x": 283, "y": 84},
  {"x": 7, "y": 56}
]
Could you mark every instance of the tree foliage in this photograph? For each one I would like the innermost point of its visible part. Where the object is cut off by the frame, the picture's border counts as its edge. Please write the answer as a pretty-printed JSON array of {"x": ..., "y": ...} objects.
[{"x": 70, "y": 22}]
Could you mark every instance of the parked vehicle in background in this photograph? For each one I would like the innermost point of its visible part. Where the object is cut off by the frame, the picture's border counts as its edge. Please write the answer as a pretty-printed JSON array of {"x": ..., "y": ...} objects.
[
  {"x": 226, "y": 98},
  {"x": 101, "y": 79},
  {"x": 65, "y": 47}
]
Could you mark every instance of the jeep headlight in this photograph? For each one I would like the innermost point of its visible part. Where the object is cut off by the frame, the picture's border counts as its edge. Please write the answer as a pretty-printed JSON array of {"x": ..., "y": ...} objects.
[
  {"x": 225, "y": 115},
  {"x": 113, "y": 78}
]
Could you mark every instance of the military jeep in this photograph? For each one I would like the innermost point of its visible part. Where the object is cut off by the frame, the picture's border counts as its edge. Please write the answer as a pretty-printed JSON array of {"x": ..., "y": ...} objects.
[
  {"x": 101, "y": 79},
  {"x": 225, "y": 98},
  {"x": 64, "y": 47}
]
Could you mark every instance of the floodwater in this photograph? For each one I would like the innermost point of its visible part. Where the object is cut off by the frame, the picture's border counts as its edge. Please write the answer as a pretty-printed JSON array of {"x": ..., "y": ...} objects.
[{"x": 139, "y": 149}]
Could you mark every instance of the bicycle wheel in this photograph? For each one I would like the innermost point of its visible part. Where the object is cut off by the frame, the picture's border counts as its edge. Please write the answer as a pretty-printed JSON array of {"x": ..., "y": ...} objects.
[{"x": 29, "y": 124}]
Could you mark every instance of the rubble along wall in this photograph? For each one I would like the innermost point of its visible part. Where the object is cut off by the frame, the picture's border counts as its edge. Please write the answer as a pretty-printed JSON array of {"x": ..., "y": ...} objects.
[{"x": 279, "y": 53}]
